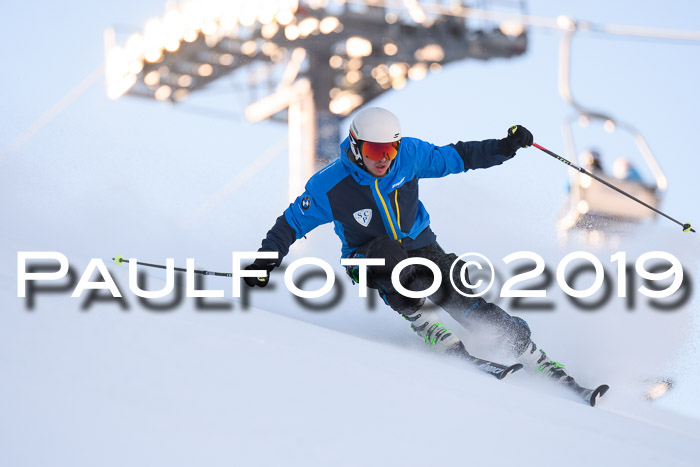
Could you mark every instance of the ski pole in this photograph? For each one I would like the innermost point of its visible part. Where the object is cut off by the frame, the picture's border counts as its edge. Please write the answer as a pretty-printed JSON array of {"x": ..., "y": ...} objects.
[
  {"x": 120, "y": 260},
  {"x": 686, "y": 226}
]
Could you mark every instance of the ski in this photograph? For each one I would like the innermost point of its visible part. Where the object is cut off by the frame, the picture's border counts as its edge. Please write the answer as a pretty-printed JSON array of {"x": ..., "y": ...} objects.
[
  {"x": 495, "y": 369},
  {"x": 555, "y": 372},
  {"x": 590, "y": 396}
]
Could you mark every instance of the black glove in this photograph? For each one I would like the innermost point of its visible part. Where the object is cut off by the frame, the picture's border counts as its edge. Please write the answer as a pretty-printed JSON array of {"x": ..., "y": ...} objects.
[
  {"x": 518, "y": 137},
  {"x": 260, "y": 264}
]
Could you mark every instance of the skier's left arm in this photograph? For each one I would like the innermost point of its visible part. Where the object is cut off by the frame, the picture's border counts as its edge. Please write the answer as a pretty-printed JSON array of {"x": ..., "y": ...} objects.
[
  {"x": 438, "y": 161},
  {"x": 484, "y": 154}
]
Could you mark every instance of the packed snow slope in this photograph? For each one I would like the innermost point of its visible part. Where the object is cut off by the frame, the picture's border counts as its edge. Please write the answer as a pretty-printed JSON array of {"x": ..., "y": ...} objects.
[
  {"x": 282, "y": 383},
  {"x": 254, "y": 388}
]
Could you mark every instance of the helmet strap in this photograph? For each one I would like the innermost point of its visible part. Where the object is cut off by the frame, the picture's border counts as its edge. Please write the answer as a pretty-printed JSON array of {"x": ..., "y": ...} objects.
[{"x": 354, "y": 152}]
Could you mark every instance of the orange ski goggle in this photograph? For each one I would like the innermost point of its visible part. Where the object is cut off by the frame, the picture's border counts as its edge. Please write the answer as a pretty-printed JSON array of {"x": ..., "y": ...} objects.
[{"x": 376, "y": 151}]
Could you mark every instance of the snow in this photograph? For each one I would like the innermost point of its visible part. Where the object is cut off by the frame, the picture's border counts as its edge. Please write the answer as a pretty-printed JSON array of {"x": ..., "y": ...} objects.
[
  {"x": 107, "y": 387},
  {"x": 279, "y": 384}
]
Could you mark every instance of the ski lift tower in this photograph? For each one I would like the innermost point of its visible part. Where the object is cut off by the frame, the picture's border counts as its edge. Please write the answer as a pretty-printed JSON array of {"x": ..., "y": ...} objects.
[{"x": 325, "y": 57}]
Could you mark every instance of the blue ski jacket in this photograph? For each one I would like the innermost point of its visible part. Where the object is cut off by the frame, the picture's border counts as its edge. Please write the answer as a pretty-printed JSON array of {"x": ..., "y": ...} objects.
[{"x": 363, "y": 207}]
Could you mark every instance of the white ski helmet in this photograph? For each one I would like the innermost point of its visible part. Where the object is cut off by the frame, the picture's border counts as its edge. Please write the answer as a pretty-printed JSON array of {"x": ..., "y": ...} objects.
[{"x": 374, "y": 125}]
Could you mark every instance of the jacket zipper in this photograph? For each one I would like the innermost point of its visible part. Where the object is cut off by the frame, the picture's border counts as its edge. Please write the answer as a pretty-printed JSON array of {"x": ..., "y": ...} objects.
[
  {"x": 398, "y": 213},
  {"x": 386, "y": 210}
]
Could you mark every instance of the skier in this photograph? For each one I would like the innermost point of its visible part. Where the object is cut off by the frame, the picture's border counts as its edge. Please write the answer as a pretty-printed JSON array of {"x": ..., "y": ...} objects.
[
  {"x": 371, "y": 195},
  {"x": 625, "y": 171}
]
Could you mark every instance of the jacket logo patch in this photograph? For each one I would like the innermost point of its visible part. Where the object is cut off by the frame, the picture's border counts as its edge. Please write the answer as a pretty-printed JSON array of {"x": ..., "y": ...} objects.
[
  {"x": 363, "y": 217},
  {"x": 306, "y": 202},
  {"x": 398, "y": 183}
]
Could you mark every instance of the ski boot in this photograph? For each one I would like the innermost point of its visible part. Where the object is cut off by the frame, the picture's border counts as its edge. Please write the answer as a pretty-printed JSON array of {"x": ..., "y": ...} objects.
[
  {"x": 535, "y": 361},
  {"x": 428, "y": 326}
]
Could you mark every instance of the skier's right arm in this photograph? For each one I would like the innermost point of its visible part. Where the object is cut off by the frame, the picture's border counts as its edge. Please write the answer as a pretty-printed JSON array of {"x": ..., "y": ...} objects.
[
  {"x": 279, "y": 238},
  {"x": 302, "y": 216}
]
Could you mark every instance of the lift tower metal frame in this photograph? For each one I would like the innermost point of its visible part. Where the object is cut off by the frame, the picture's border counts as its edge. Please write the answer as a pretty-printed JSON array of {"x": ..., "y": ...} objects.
[{"x": 327, "y": 57}]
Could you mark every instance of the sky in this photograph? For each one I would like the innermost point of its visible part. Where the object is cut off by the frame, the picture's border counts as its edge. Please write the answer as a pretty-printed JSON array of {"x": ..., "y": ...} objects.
[
  {"x": 646, "y": 83},
  {"x": 81, "y": 181}
]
